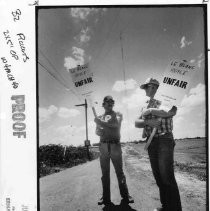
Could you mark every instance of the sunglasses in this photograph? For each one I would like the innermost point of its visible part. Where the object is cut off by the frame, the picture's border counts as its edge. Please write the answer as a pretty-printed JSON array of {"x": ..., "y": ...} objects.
[
  {"x": 109, "y": 102},
  {"x": 151, "y": 85}
]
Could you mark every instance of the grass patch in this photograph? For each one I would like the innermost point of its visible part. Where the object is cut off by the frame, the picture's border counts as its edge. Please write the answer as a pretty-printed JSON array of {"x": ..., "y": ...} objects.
[{"x": 199, "y": 170}]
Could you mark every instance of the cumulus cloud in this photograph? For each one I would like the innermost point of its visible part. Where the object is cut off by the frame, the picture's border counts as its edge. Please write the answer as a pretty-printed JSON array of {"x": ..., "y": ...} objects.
[
  {"x": 78, "y": 58},
  {"x": 120, "y": 86},
  {"x": 84, "y": 36},
  {"x": 178, "y": 120},
  {"x": 67, "y": 113},
  {"x": 80, "y": 13},
  {"x": 192, "y": 61},
  {"x": 137, "y": 98},
  {"x": 200, "y": 62},
  {"x": 78, "y": 53},
  {"x": 69, "y": 134},
  {"x": 127, "y": 125},
  {"x": 74, "y": 130},
  {"x": 184, "y": 42},
  {"x": 195, "y": 98},
  {"x": 70, "y": 62},
  {"x": 46, "y": 113},
  {"x": 83, "y": 13},
  {"x": 65, "y": 135},
  {"x": 65, "y": 130},
  {"x": 200, "y": 55},
  {"x": 91, "y": 126}
]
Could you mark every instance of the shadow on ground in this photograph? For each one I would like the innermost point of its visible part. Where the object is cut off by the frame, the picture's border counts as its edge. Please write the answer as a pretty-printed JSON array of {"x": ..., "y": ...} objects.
[{"x": 120, "y": 207}]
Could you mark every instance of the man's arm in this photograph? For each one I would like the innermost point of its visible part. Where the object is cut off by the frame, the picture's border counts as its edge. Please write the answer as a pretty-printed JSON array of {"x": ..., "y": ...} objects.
[
  {"x": 160, "y": 112},
  {"x": 141, "y": 123},
  {"x": 112, "y": 124},
  {"x": 106, "y": 124}
]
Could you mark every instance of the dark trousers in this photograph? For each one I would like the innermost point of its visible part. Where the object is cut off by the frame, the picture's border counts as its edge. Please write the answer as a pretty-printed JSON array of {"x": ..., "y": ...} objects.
[
  {"x": 161, "y": 155},
  {"x": 113, "y": 152}
]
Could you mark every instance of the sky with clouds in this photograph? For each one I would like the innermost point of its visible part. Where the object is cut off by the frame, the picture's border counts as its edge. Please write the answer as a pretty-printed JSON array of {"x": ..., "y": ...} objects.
[{"x": 151, "y": 37}]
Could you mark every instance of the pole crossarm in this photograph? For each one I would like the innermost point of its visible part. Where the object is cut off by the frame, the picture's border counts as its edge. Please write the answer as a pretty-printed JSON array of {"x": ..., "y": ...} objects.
[{"x": 81, "y": 104}]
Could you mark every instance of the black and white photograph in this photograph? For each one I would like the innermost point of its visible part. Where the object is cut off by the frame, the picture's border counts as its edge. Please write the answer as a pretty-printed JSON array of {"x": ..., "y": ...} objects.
[
  {"x": 122, "y": 106},
  {"x": 104, "y": 105}
]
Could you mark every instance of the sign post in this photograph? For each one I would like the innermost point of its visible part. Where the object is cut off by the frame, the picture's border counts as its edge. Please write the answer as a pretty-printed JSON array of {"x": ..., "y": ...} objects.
[
  {"x": 82, "y": 78},
  {"x": 173, "y": 87},
  {"x": 86, "y": 127}
]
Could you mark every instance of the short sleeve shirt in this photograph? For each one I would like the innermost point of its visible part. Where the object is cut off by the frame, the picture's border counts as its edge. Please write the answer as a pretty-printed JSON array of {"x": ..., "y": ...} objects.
[
  {"x": 110, "y": 133},
  {"x": 166, "y": 123}
]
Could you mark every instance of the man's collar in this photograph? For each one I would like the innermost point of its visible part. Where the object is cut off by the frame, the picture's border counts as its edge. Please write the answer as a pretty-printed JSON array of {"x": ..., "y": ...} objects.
[{"x": 109, "y": 112}]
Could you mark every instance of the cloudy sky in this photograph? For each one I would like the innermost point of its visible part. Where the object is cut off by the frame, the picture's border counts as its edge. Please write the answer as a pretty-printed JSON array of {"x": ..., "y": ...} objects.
[{"x": 151, "y": 38}]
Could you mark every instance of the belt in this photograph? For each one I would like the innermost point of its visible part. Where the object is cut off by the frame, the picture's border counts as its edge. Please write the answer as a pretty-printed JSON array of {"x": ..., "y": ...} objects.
[
  {"x": 110, "y": 141},
  {"x": 162, "y": 134}
]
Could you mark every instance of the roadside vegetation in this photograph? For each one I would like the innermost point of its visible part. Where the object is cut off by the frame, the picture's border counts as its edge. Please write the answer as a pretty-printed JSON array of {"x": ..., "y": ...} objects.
[
  {"x": 55, "y": 158},
  {"x": 189, "y": 156}
]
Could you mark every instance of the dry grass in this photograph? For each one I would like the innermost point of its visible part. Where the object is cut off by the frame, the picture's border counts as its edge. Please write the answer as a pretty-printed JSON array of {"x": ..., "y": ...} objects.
[{"x": 189, "y": 156}]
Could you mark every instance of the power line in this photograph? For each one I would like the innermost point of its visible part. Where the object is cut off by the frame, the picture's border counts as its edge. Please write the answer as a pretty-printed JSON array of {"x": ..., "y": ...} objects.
[
  {"x": 122, "y": 29},
  {"x": 108, "y": 35},
  {"x": 51, "y": 64},
  {"x": 122, "y": 53},
  {"x": 67, "y": 88},
  {"x": 53, "y": 75},
  {"x": 58, "y": 74}
]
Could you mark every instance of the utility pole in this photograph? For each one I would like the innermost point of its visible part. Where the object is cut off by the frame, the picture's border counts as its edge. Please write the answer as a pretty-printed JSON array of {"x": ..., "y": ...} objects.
[
  {"x": 123, "y": 67},
  {"x": 87, "y": 142}
]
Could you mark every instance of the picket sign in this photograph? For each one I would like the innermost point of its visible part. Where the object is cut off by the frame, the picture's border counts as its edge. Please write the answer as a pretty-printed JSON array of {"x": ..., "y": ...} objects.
[
  {"x": 82, "y": 78},
  {"x": 174, "y": 85}
]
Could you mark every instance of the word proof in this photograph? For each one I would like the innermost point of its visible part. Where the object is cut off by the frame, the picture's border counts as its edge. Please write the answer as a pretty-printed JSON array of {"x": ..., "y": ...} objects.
[{"x": 18, "y": 116}]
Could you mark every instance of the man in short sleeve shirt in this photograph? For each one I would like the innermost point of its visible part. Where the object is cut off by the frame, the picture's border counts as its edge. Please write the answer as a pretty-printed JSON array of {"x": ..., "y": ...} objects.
[
  {"x": 161, "y": 149},
  {"x": 108, "y": 128}
]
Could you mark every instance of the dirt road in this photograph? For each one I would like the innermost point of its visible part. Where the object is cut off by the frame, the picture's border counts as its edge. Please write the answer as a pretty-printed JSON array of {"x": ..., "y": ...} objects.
[{"x": 79, "y": 188}]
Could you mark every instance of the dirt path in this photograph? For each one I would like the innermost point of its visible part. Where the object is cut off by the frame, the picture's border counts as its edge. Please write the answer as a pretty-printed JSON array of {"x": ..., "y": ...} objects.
[
  {"x": 79, "y": 188},
  {"x": 192, "y": 190}
]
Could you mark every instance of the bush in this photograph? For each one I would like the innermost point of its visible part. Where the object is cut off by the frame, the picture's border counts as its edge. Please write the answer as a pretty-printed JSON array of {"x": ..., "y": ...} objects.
[{"x": 53, "y": 158}]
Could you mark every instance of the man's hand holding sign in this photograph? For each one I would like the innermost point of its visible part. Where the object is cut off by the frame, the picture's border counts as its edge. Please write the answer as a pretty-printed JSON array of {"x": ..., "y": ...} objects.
[{"x": 172, "y": 89}]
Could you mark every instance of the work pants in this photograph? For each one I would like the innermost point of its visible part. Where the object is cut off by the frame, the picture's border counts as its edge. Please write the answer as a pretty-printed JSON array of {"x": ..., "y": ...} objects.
[
  {"x": 114, "y": 152},
  {"x": 161, "y": 155}
]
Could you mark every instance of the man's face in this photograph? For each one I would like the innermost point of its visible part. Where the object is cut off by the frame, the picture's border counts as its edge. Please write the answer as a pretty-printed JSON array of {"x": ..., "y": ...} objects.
[
  {"x": 151, "y": 89},
  {"x": 108, "y": 105}
]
